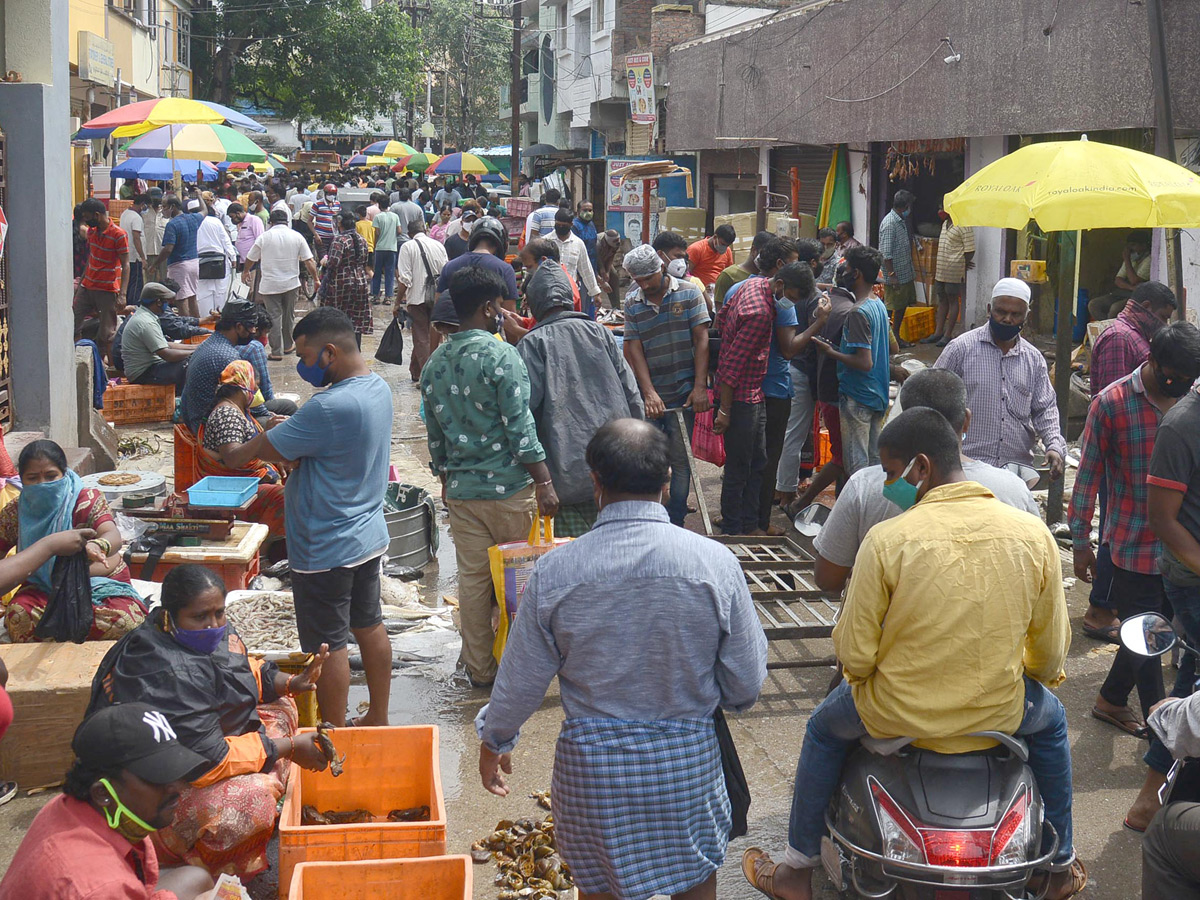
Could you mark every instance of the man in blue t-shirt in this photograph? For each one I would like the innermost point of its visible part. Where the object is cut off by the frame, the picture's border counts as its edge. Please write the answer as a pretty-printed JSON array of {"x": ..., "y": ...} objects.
[
  {"x": 489, "y": 241},
  {"x": 862, "y": 357},
  {"x": 333, "y": 506},
  {"x": 179, "y": 256}
]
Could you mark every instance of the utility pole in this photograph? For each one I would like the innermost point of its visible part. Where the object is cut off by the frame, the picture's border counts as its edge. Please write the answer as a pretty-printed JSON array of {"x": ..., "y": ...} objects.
[
  {"x": 428, "y": 109},
  {"x": 1164, "y": 135},
  {"x": 515, "y": 98}
]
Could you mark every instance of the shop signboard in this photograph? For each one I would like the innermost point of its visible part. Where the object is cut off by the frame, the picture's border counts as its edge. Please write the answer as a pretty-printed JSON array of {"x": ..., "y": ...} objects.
[
  {"x": 97, "y": 60},
  {"x": 626, "y": 197},
  {"x": 639, "y": 70}
]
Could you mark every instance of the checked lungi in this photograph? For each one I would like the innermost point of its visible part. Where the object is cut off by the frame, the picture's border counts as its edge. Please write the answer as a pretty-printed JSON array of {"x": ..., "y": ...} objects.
[{"x": 640, "y": 808}]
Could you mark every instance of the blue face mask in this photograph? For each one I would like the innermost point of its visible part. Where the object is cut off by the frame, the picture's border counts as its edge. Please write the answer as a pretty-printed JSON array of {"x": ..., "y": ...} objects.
[
  {"x": 203, "y": 640},
  {"x": 317, "y": 375},
  {"x": 900, "y": 491}
]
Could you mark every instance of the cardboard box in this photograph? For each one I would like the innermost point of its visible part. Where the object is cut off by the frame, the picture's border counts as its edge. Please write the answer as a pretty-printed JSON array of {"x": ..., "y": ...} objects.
[
  {"x": 685, "y": 220},
  {"x": 50, "y": 685},
  {"x": 743, "y": 224}
]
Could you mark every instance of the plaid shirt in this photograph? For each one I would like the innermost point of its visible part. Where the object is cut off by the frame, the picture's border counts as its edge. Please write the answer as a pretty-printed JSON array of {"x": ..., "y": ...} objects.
[
  {"x": 895, "y": 243},
  {"x": 746, "y": 323},
  {"x": 1009, "y": 394},
  {"x": 1117, "y": 441},
  {"x": 1122, "y": 346}
]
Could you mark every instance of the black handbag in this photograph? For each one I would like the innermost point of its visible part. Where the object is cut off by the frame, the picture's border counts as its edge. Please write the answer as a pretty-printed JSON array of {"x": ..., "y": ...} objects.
[
  {"x": 68, "y": 615},
  {"x": 213, "y": 266},
  {"x": 391, "y": 345},
  {"x": 735, "y": 779}
]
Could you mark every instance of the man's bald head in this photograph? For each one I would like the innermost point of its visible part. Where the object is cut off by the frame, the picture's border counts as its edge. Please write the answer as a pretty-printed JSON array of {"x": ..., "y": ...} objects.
[{"x": 630, "y": 457}]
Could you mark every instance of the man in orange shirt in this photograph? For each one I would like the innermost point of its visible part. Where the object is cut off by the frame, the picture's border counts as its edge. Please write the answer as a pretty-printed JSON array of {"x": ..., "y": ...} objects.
[{"x": 712, "y": 255}]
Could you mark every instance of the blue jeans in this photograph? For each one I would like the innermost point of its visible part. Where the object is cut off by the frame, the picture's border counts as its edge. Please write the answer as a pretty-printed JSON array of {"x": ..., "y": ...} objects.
[
  {"x": 1185, "y": 601},
  {"x": 385, "y": 270},
  {"x": 681, "y": 472},
  {"x": 860, "y": 435},
  {"x": 835, "y": 727}
]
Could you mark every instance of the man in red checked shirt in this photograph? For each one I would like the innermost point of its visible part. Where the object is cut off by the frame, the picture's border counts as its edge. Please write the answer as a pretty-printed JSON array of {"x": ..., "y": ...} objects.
[{"x": 746, "y": 323}]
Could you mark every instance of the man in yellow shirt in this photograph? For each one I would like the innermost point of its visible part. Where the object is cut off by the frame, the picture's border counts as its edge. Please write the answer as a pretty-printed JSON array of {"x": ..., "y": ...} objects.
[
  {"x": 954, "y": 622},
  {"x": 364, "y": 227}
]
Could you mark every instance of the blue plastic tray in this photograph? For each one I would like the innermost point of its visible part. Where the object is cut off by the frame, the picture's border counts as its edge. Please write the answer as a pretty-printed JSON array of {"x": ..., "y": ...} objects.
[{"x": 216, "y": 490}]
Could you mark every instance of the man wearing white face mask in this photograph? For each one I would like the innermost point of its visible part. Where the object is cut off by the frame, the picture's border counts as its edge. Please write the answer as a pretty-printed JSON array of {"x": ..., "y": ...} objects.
[{"x": 1008, "y": 386}]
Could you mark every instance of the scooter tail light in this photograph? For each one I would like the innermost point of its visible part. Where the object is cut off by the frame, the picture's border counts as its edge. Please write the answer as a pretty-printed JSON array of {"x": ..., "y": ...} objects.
[
  {"x": 956, "y": 848},
  {"x": 1010, "y": 843},
  {"x": 901, "y": 837}
]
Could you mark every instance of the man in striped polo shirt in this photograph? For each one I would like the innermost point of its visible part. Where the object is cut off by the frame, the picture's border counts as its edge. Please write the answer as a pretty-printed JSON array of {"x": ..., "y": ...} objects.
[
  {"x": 107, "y": 273},
  {"x": 666, "y": 345},
  {"x": 325, "y": 212}
]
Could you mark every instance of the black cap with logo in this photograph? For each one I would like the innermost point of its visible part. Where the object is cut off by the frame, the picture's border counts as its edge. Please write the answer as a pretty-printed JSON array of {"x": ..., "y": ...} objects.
[{"x": 137, "y": 737}]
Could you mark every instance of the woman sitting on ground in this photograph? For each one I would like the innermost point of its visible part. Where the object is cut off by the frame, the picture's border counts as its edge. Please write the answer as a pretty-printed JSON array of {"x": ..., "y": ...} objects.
[
  {"x": 53, "y": 499},
  {"x": 230, "y": 425},
  {"x": 234, "y": 711}
]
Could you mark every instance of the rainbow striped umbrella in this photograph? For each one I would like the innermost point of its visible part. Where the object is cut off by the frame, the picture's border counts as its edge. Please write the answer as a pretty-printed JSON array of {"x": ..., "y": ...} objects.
[
  {"x": 416, "y": 162},
  {"x": 462, "y": 164},
  {"x": 390, "y": 149},
  {"x": 212, "y": 143},
  {"x": 138, "y": 118},
  {"x": 362, "y": 159}
]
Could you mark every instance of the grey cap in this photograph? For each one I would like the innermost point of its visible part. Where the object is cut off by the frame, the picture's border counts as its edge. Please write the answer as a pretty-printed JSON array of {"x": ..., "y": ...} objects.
[
  {"x": 642, "y": 261},
  {"x": 154, "y": 291}
]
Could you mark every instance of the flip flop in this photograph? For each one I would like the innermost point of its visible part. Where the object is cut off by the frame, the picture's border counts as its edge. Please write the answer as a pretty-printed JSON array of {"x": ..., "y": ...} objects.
[
  {"x": 1125, "y": 720},
  {"x": 1133, "y": 828},
  {"x": 761, "y": 878},
  {"x": 1109, "y": 633}
]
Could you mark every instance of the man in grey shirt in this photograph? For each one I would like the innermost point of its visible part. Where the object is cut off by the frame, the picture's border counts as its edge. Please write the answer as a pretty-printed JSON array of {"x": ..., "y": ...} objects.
[
  {"x": 638, "y": 691},
  {"x": 578, "y": 380},
  {"x": 861, "y": 504},
  {"x": 408, "y": 213}
]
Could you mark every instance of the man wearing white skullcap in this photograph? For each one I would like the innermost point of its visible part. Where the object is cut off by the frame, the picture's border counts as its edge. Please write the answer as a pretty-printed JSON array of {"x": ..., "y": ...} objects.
[
  {"x": 666, "y": 345},
  {"x": 1009, "y": 393}
]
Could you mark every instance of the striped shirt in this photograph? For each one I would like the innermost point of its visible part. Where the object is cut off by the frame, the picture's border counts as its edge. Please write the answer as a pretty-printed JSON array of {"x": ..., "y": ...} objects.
[
  {"x": 105, "y": 248},
  {"x": 1009, "y": 394},
  {"x": 665, "y": 333},
  {"x": 954, "y": 243},
  {"x": 540, "y": 223},
  {"x": 324, "y": 214},
  {"x": 895, "y": 244}
]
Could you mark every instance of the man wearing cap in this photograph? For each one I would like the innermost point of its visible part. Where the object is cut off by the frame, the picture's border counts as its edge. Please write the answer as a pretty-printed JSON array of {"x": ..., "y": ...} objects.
[
  {"x": 458, "y": 231},
  {"x": 236, "y": 328},
  {"x": 179, "y": 253},
  {"x": 279, "y": 252},
  {"x": 1009, "y": 393},
  {"x": 666, "y": 345},
  {"x": 607, "y": 247},
  {"x": 325, "y": 212},
  {"x": 578, "y": 381},
  {"x": 93, "y": 840},
  {"x": 148, "y": 357}
]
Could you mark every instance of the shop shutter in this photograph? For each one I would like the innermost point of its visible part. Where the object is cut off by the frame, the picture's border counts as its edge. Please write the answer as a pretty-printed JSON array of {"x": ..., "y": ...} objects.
[{"x": 813, "y": 163}]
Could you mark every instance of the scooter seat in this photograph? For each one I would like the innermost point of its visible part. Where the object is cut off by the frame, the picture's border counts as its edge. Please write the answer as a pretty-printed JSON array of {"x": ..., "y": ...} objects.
[
  {"x": 892, "y": 746},
  {"x": 885, "y": 746}
]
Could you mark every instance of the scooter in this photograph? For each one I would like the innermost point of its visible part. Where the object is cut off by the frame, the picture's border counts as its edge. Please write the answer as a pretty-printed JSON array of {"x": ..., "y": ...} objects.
[{"x": 914, "y": 824}]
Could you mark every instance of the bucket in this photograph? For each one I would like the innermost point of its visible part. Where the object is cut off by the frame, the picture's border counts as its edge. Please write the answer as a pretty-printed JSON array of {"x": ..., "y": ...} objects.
[{"x": 412, "y": 533}]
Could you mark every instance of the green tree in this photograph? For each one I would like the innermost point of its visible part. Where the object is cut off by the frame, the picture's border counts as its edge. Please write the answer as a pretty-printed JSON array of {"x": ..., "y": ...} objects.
[
  {"x": 469, "y": 43},
  {"x": 308, "y": 59}
]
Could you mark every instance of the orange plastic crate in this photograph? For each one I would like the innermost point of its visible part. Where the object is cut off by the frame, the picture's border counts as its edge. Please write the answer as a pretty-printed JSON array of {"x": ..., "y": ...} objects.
[
  {"x": 197, "y": 338},
  {"x": 386, "y": 769},
  {"x": 132, "y": 404},
  {"x": 431, "y": 878},
  {"x": 187, "y": 470}
]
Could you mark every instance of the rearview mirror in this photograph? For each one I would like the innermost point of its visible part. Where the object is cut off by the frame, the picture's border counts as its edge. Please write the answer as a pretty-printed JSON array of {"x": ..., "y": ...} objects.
[{"x": 1148, "y": 634}]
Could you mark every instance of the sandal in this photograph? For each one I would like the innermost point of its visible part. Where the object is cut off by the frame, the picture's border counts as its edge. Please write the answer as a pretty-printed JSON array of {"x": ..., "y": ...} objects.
[
  {"x": 1125, "y": 823},
  {"x": 1124, "y": 720},
  {"x": 1109, "y": 633},
  {"x": 274, "y": 358},
  {"x": 759, "y": 870},
  {"x": 1079, "y": 880}
]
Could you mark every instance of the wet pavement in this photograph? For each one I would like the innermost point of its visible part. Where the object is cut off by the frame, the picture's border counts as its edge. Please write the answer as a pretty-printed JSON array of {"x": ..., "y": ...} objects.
[{"x": 1107, "y": 771}]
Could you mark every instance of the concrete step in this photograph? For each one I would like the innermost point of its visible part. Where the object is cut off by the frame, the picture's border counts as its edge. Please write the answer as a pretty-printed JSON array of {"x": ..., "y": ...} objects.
[{"x": 81, "y": 459}]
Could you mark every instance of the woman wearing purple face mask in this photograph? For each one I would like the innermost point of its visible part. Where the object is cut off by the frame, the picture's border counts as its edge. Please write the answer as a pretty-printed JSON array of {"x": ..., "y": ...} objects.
[{"x": 238, "y": 713}]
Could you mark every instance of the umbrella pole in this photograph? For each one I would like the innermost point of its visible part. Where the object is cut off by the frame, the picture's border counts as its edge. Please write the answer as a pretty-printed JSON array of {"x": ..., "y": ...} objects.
[{"x": 1062, "y": 376}]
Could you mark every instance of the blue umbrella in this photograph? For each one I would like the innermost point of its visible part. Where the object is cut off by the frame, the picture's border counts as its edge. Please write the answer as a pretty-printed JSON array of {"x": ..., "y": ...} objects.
[{"x": 152, "y": 168}]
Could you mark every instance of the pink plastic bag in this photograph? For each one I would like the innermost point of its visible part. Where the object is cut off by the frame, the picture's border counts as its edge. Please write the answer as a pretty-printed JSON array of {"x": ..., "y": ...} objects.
[{"x": 706, "y": 445}]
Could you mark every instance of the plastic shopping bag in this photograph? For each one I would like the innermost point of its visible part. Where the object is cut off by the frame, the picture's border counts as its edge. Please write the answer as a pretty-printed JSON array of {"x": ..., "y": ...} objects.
[
  {"x": 706, "y": 445},
  {"x": 391, "y": 345},
  {"x": 512, "y": 564},
  {"x": 68, "y": 615}
]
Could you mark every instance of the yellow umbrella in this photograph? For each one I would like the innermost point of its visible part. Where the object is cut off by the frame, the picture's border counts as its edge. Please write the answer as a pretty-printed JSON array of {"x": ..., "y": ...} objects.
[{"x": 1076, "y": 185}]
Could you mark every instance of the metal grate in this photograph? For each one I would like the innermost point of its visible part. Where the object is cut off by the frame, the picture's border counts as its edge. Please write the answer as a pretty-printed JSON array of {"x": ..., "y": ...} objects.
[{"x": 6, "y": 411}]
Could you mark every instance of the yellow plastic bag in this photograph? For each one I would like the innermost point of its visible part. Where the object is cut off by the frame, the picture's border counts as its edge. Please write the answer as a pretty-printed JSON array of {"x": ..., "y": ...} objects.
[{"x": 512, "y": 564}]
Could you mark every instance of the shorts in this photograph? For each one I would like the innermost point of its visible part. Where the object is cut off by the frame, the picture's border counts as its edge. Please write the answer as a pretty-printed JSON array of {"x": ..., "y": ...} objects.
[
  {"x": 900, "y": 296},
  {"x": 832, "y": 417},
  {"x": 187, "y": 273},
  {"x": 945, "y": 290},
  {"x": 330, "y": 604}
]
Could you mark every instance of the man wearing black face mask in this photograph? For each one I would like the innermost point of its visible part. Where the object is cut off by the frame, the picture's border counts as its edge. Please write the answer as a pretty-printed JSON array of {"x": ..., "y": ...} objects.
[
  {"x": 1117, "y": 442},
  {"x": 1009, "y": 393},
  {"x": 574, "y": 258},
  {"x": 236, "y": 328}
]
